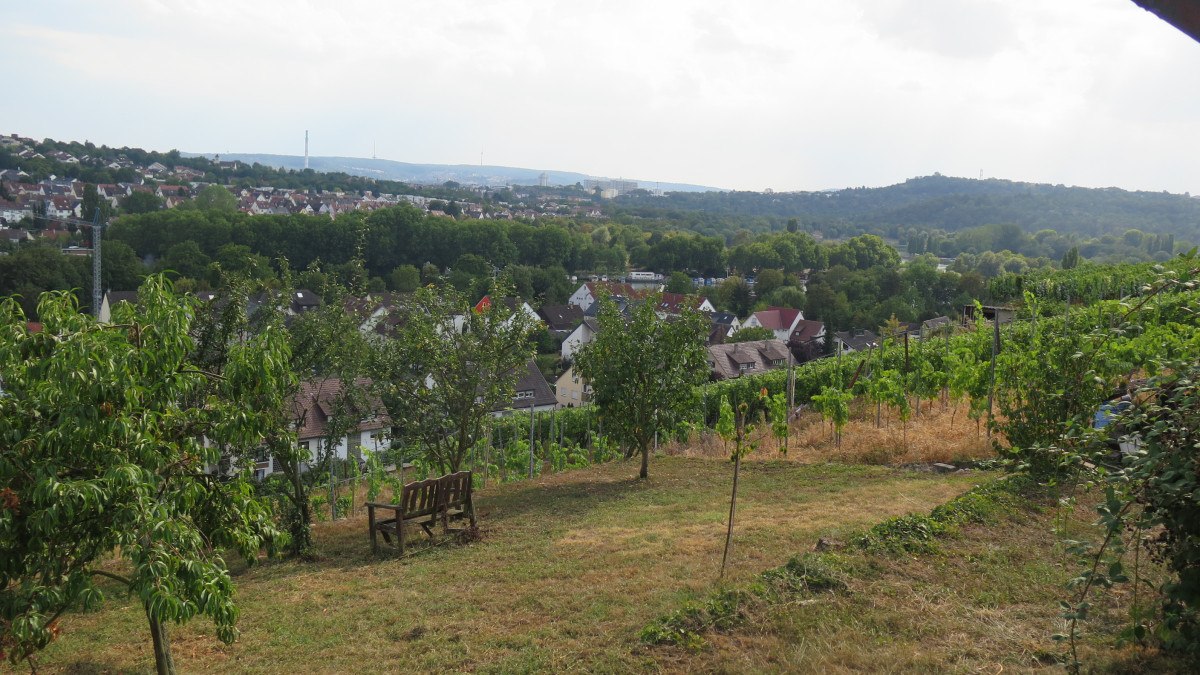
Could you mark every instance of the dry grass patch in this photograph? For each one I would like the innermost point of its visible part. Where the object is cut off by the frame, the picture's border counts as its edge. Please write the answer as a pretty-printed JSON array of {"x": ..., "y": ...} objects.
[
  {"x": 987, "y": 602},
  {"x": 941, "y": 433}
]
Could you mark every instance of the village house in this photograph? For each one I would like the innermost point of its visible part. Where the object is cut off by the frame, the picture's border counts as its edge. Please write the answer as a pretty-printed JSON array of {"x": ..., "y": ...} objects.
[
  {"x": 781, "y": 320},
  {"x": 585, "y": 296},
  {"x": 571, "y": 390},
  {"x": 807, "y": 341},
  {"x": 531, "y": 391},
  {"x": 857, "y": 341},
  {"x": 730, "y": 361},
  {"x": 111, "y": 299},
  {"x": 674, "y": 304},
  {"x": 513, "y": 304},
  {"x": 313, "y": 407},
  {"x": 584, "y": 333},
  {"x": 561, "y": 319}
]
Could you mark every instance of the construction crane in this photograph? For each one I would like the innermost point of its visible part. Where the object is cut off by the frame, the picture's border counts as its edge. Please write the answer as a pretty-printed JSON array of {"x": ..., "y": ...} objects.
[{"x": 97, "y": 228}]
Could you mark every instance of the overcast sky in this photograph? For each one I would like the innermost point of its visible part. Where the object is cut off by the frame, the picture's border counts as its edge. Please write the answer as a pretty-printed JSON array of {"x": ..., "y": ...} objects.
[{"x": 791, "y": 95}]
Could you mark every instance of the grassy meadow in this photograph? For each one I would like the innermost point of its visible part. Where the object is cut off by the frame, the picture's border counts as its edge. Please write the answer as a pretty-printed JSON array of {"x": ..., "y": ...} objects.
[{"x": 569, "y": 568}]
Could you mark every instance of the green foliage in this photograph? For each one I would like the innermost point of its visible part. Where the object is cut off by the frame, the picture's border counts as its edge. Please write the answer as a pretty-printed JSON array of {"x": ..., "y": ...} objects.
[
  {"x": 450, "y": 368},
  {"x": 108, "y": 430},
  {"x": 679, "y": 282},
  {"x": 214, "y": 198},
  {"x": 750, "y": 334},
  {"x": 644, "y": 371},
  {"x": 1149, "y": 502},
  {"x": 777, "y": 411},
  {"x": 726, "y": 427},
  {"x": 405, "y": 278},
  {"x": 141, "y": 201},
  {"x": 726, "y": 608},
  {"x": 915, "y": 533},
  {"x": 834, "y": 405},
  {"x": 808, "y": 573}
]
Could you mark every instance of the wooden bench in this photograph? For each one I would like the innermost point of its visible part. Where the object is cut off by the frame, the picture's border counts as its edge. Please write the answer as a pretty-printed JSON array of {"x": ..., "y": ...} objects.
[{"x": 424, "y": 503}]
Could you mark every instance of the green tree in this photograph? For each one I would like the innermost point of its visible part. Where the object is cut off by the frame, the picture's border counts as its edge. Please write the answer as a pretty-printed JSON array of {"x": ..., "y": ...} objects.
[
  {"x": 332, "y": 355},
  {"x": 141, "y": 201},
  {"x": 186, "y": 260},
  {"x": 406, "y": 278},
  {"x": 450, "y": 368},
  {"x": 1070, "y": 259},
  {"x": 644, "y": 371},
  {"x": 768, "y": 280},
  {"x": 786, "y": 296},
  {"x": 215, "y": 198},
  {"x": 680, "y": 282},
  {"x": 92, "y": 202},
  {"x": 121, "y": 270},
  {"x": 735, "y": 295},
  {"x": 109, "y": 433}
]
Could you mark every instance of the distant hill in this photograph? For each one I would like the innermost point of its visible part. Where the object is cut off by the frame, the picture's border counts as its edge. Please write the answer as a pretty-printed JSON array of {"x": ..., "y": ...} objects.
[
  {"x": 431, "y": 174},
  {"x": 947, "y": 203}
]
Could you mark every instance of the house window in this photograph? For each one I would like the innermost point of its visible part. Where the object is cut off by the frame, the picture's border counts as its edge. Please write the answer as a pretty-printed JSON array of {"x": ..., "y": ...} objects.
[
  {"x": 746, "y": 367},
  {"x": 777, "y": 362},
  {"x": 306, "y": 447},
  {"x": 524, "y": 394},
  {"x": 275, "y": 464},
  {"x": 354, "y": 446}
]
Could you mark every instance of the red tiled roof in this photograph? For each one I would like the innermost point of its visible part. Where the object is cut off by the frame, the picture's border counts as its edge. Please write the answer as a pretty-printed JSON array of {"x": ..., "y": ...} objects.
[
  {"x": 673, "y": 302},
  {"x": 777, "y": 318}
]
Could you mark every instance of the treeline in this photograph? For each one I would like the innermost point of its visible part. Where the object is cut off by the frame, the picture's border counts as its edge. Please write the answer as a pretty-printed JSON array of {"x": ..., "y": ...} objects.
[
  {"x": 857, "y": 283},
  {"x": 1132, "y": 245},
  {"x": 937, "y": 202}
]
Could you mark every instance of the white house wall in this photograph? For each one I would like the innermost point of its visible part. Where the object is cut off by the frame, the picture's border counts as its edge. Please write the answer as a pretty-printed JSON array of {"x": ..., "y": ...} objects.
[{"x": 578, "y": 338}]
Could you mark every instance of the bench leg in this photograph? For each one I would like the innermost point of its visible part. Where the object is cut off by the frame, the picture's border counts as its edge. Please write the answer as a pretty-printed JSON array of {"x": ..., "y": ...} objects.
[
  {"x": 371, "y": 524},
  {"x": 400, "y": 532}
]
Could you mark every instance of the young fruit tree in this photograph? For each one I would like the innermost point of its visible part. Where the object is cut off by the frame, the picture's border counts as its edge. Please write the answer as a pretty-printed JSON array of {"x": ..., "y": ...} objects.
[
  {"x": 734, "y": 427},
  {"x": 450, "y": 367},
  {"x": 644, "y": 370},
  {"x": 110, "y": 432},
  {"x": 331, "y": 353}
]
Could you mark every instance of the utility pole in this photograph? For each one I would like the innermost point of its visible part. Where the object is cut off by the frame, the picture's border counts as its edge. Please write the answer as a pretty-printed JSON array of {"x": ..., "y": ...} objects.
[
  {"x": 992, "y": 383},
  {"x": 97, "y": 292},
  {"x": 531, "y": 408}
]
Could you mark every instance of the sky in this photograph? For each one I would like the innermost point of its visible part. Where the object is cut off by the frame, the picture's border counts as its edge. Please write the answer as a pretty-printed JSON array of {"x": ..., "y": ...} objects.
[{"x": 754, "y": 94}]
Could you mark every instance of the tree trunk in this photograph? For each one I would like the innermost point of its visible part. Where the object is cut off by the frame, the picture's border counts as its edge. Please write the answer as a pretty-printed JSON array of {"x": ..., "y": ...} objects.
[
  {"x": 645, "y": 473},
  {"x": 162, "y": 646},
  {"x": 737, "y": 466},
  {"x": 301, "y": 532}
]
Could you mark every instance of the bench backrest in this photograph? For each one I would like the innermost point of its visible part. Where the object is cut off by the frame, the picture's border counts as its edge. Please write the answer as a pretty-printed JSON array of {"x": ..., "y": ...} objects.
[
  {"x": 456, "y": 489},
  {"x": 421, "y": 498}
]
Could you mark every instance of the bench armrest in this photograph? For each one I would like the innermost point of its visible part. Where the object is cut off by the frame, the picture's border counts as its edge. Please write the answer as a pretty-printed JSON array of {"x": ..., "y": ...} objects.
[{"x": 380, "y": 505}]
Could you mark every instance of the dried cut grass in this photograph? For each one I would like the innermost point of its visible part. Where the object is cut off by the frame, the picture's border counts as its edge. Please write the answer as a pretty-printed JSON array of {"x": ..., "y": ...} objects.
[{"x": 940, "y": 433}]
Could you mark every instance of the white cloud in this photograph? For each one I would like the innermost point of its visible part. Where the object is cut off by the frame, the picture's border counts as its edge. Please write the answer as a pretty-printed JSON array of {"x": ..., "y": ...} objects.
[{"x": 791, "y": 95}]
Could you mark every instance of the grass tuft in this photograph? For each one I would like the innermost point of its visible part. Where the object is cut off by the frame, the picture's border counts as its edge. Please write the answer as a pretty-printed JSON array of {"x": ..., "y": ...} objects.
[
  {"x": 983, "y": 504},
  {"x": 728, "y": 608}
]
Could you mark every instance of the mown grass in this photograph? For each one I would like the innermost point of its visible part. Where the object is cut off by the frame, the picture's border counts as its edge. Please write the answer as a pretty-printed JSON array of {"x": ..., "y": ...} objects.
[
  {"x": 568, "y": 571},
  {"x": 979, "y": 595}
]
